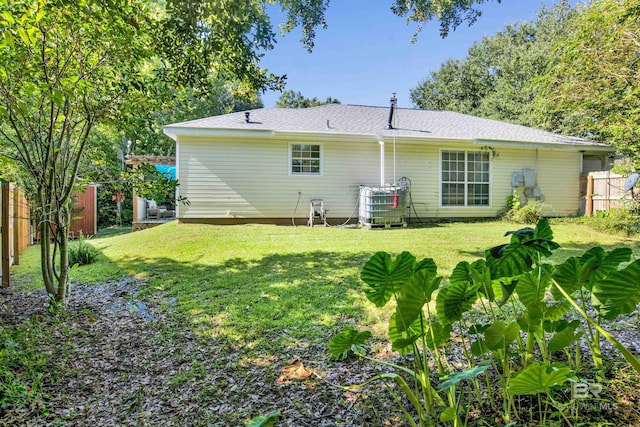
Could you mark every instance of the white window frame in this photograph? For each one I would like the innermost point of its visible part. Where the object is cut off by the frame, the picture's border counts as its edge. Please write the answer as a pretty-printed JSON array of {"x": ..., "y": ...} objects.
[
  {"x": 292, "y": 173},
  {"x": 466, "y": 181}
]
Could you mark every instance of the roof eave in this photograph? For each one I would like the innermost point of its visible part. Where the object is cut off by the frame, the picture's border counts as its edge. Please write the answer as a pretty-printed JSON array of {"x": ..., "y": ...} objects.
[
  {"x": 173, "y": 132},
  {"x": 586, "y": 146}
]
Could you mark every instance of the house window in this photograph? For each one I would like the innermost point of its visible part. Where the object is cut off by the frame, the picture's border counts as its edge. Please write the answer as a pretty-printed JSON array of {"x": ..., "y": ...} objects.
[
  {"x": 306, "y": 159},
  {"x": 465, "y": 178}
]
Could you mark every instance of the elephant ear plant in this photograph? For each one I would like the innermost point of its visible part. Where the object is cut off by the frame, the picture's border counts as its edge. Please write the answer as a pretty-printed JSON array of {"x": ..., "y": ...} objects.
[{"x": 496, "y": 330}]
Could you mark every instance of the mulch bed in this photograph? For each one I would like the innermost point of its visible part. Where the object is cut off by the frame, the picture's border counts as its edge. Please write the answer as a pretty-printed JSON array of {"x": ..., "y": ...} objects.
[
  {"x": 113, "y": 363},
  {"x": 115, "y": 360}
]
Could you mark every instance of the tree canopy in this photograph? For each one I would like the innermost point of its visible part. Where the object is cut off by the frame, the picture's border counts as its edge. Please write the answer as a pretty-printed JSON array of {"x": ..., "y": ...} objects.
[
  {"x": 497, "y": 78},
  {"x": 70, "y": 71},
  {"x": 63, "y": 70},
  {"x": 450, "y": 13},
  {"x": 291, "y": 99},
  {"x": 593, "y": 88},
  {"x": 141, "y": 127},
  {"x": 572, "y": 71}
]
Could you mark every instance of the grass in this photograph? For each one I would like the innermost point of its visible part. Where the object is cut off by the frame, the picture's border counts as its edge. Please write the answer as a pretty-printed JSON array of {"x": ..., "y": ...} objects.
[
  {"x": 269, "y": 288},
  {"x": 257, "y": 296}
]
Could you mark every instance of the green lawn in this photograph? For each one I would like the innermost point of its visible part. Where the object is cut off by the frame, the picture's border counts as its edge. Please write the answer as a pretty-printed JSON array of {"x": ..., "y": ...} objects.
[
  {"x": 273, "y": 287},
  {"x": 234, "y": 305}
]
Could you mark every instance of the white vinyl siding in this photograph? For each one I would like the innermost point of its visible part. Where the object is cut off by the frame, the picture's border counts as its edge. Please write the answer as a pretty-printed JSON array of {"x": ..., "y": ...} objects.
[
  {"x": 250, "y": 178},
  {"x": 305, "y": 159},
  {"x": 244, "y": 178},
  {"x": 558, "y": 180},
  {"x": 465, "y": 178}
]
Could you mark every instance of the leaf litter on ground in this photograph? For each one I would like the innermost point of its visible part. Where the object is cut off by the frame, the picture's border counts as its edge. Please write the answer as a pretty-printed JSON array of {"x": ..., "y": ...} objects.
[{"x": 114, "y": 359}]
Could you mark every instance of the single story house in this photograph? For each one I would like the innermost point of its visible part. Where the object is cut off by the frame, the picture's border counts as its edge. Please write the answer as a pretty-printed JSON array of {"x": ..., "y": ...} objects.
[{"x": 266, "y": 165}]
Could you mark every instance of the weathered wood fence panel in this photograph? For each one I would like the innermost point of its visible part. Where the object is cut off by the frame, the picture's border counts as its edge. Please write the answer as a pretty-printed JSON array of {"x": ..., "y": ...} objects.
[
  {"x": 605, "y": 190},
  {"x": 22, "y": 235},
  {"x": 15, "y": 231}
]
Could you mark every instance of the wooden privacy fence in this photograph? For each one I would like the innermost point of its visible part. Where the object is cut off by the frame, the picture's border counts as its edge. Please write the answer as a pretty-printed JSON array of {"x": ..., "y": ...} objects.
[
  {"x": 84, "y": 214},
  {"x": 15, "y": 225},
  {"x": 605, "y": 190},
  {"x": 15, "y": 231}
]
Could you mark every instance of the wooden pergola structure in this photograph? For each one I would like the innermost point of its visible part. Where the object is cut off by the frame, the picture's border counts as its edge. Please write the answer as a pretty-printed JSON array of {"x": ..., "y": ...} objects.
[{"x": 151, "y": 160}]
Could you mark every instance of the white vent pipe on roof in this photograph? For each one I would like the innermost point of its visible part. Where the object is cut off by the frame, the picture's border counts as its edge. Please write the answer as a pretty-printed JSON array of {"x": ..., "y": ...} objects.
[{"x": 381, "y": 141}]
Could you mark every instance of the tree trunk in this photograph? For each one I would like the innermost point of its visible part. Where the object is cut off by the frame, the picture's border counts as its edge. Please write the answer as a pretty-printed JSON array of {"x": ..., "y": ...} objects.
[
  {"x": 62, "y": 237},
  {"x": 45, "y": 256},
  {"x": 55, "y": 259}
]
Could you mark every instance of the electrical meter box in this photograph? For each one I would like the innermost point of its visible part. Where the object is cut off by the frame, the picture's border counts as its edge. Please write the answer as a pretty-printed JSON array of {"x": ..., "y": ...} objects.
[
  {"x": 529, "y": 177},
  {"x": 517, "y": 179}
]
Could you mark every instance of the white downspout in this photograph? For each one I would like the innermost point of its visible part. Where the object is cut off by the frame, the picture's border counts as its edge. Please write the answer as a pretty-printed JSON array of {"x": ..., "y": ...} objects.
[
  {"x": 395, "y": 182},
  {"x": 381, "y": 141}
]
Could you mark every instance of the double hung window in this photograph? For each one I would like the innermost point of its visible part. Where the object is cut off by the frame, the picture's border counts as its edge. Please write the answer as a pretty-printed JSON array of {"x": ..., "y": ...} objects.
[
  {"x": 465, "y": 178},
  {"x": 306, "y": 159}
]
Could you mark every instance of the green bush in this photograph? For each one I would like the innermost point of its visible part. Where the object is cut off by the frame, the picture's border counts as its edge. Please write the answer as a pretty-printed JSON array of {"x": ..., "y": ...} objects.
[
  {"x": 617, "y": 221},
  {"x": 81, "y": 252},
  {"x": 107, "y": 209},
  {"x": 529, "y": 213}
]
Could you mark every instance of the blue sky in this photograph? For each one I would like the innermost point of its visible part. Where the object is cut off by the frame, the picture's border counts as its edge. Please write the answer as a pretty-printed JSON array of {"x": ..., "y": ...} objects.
[{"x": 365, "y": 54}]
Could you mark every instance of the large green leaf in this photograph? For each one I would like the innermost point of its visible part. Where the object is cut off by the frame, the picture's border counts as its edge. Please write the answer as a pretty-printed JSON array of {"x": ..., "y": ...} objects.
[
  {"x": 460, "y": 273},
  {"x": 454, "y": 300},
  {"x": 618, "y": 293},
  {"x": 595, "y": 264},
  {"x": 530, "y": 322},
  {"x": 349, "y": 340},
  {"x": 543, "y": 231},
  {"x": 533, "y": 285},
  {"x": 413, "y": 295},
  {"x": 402, "y": 341},
  {"x": 429, "y": 264},
  {"x": 498, "y": 336},
  {"x": 480, "y": 275},
  {"x": 538, "y": 378},
  {"x": 518, "y": 256},
  {"x": 502, "y": 289},
  {"x": 564, "y": 338},
  {"x": 467, "y": 374},
  {"x": 437, "y": 335},
  {"x": 570, "y": 275},
  {"x": 508, "y": 260},
  {"x": 542, "y": 235},
  {"x": 476, "y": 275},
  {"x": 385, "y": 276},
  {"x": 479, "y": 347},
  {"x": 556, "y": 311}
]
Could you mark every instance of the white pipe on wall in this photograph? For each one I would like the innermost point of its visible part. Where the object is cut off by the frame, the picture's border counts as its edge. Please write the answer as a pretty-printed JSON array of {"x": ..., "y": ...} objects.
[{"x": 381, "y": 162}]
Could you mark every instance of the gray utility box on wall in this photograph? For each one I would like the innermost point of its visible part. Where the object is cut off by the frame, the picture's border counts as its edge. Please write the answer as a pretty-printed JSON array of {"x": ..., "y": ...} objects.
[{"x": 383, "y": 206}]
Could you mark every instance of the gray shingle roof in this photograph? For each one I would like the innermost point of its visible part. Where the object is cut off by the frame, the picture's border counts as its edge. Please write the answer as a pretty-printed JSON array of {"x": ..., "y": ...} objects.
[{"x": 364, "y": 120}]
